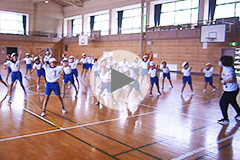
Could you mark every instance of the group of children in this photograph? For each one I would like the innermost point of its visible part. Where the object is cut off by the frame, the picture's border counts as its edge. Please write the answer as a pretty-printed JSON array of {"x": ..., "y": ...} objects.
[{"x": 47, "y": 68}]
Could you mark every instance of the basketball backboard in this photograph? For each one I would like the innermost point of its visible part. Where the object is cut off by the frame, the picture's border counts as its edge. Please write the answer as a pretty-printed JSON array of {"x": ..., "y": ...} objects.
[{"x": 213, "y": 33}]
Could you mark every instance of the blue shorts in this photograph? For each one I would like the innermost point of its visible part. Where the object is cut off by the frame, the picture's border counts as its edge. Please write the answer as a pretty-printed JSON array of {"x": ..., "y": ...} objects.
[
  {"x": 135, "y": 85},
  {"x": 187, "y": 79},
  {"x": 17, "y": 76},
  {"x": 75, "y": 72},
  {"x": 85, "y": 66},
  {"x": 40, "y": 72},
  {"x": 96, "y": 74},
  {"x": 1, "y": 78},
  {"x": 154, "y": 80},
  {"x": 209, "y": 80},
  {"x": 47, "y": 62},
  {"x": 9, "y": 70},
  {"x": 29, "y": 66},
  {"x": 136, "y": 71},
  {"x": 52, "y": 87},
  {"x": 106, "y": 86},
  {"x": 166, "y": 75},
  {"x": 144, "y": 72},
  {"x": 90, "y": 66},
  {"x": 68, "y": 77}
]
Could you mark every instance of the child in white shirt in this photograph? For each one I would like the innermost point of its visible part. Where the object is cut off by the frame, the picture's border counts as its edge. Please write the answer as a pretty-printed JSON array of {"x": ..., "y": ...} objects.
[
  {"x": 166, "y": 73},
  {"x": 14, "y": 64},
  {"x": 40, "y": 71},
  {"x": 28, "y": 61},
  {"x": 53, "y": 73},
  {"x": 144, "y": 65},
  {"x": 73, "y": 63},
  {"x": 186, "y": 71},
  {"x": 153, "y": 71},
  {"x": 84, "y": 62},
  {"x": 68, "y": 76},
  {"x": 208, "y": 71}
]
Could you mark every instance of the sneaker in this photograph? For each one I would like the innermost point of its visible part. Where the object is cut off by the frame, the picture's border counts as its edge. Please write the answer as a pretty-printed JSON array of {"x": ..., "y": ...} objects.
[
  {"x": 37, "y": 87},
  {"x": 10, "y": 100},
  {"x": 76, "y": 94},
  {"x": 150, "y": 95},
  {"x": 204, "y": 91},
  {"x": 97, "y": 103},
  {"x": 162, "y": 87},
  {"x": 64, "y": 110},
  {"x": 63, "y": 95},
  {"x": 214, "y": 90},
  {"x": 223, "y": 121},
  {"x": 43, "y": 113},
  {"x": 193, "y": 93},
  {"x": 237, "y": 117},
  {"x": 159, "y": 93},
  {"x": 140, "y": 97}
]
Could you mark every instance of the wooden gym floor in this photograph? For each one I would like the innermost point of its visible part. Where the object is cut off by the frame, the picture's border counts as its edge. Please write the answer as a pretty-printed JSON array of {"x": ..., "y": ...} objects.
[{"x": 165, "y": 127}]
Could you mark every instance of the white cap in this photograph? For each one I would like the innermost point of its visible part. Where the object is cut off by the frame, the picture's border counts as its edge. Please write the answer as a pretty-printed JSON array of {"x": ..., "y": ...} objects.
[
  {"x": 71, "y": 57},
  {"x": 27, "y": 54},
  {"x": 36, "y": 58},
  {"x": 65, "y": 60},
  {"x": 145, "y": 56},
  {"x": 184, "y": 64},
  {"x": 84, "y": 54},
  {"x": 52, "y": 60},
  {"x": 208, "y": 64},
  {"x": 47, "y": 52},
  {"x": 151, "y": 63},
  {"x": 135, "y": 58},
  {"x": 13, "y": 54}
]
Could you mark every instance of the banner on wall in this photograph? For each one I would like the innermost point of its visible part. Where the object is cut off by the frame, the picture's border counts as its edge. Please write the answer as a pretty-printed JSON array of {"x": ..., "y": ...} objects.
[{"x": 83, "y": 40}]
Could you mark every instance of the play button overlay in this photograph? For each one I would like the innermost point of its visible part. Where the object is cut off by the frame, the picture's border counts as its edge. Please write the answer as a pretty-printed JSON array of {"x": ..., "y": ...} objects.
[{"x": 118, "y": 81}]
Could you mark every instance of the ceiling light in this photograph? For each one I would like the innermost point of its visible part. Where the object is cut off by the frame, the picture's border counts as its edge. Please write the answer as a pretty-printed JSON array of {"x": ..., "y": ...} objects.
[{"x": 46, "y": 1}]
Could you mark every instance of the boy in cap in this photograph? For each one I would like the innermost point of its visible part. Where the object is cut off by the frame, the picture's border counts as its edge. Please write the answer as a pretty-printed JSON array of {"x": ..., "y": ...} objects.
[
  {"x": 186, "y": 71},
  {"x": 153, "y": 72},
  {"x": 28, "y": 60},
  {"x": 208, "y": 71}
]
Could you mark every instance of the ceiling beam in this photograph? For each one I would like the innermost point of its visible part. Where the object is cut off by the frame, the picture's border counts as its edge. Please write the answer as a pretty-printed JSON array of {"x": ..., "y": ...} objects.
[{"x": 76, "y": 4}]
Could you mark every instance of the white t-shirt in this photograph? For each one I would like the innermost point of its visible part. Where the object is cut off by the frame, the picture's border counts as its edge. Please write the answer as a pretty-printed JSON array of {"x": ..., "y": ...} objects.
[
  {"x": 110, "y": 62},
  {"x": 74, "y": 64},
  {"x": 89, "y": 60},
  {"x": 209, "y": 72},
  {"x": 105, "y": 78},
  {"x": 28, "y": 60},
  {"x": 46, "y": 58},
  {"x": 136, "y": 65},
  {"x": 83, "y": 60},
  {"x": 152, "y": 72},
  {"x": 67, "y": 70},
  {"x": 52, "y": 74},
  {"x": 14, "y": 66},
  {"x": 124, "y": 66},
  {"x": 227, "y": 73},
  {"x": 186, "y": 72},
  {"x": 37, "y": 66},
  {"x": 144, "y": 64},
  {"x": 95, "y": 68},
  {"x": 165, "y": 70}
]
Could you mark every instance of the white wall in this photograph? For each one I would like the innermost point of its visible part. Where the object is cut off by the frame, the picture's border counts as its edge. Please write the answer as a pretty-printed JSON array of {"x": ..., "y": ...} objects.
[{"x": 49, "y": 17}]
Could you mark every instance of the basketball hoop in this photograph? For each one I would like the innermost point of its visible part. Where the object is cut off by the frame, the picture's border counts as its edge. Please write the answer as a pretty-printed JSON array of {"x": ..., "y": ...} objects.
[{"x": 210, "y": 39}]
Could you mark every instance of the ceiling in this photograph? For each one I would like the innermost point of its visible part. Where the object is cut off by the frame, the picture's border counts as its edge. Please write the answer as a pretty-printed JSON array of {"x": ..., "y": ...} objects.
[{"x": 64, "y": 3}]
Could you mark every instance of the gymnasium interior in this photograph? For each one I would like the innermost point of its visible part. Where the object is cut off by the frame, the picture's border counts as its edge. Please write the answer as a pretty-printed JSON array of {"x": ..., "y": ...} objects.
[{"x": 164, "y": 127}]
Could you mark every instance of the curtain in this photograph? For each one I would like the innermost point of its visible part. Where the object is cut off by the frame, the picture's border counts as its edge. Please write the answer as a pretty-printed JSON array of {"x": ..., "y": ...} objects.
[
  {"x": 72, "y": 25},
  {"x": 157, "y": 13},
  {"x": 120, "y": 17},
  {"x": 24, "y": 18},
  {"x": 92, "y": 23},
  {"x": 211, "y": 10}
]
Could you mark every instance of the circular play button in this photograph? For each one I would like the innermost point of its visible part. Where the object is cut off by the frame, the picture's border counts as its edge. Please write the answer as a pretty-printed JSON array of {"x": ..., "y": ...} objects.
[{"x": 118, "y": 80}]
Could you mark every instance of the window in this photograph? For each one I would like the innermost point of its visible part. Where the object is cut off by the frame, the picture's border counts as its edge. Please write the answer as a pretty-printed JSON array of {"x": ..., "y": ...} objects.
[
  {"x": 101, "y": 22},
  {"x": 181, "y": 12},
  {"x": 11, "y": 23},
  {"x": 131, "y": 22},
  {"x": 227, "y": 8},
  {"x": 77, "y": 26}
]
